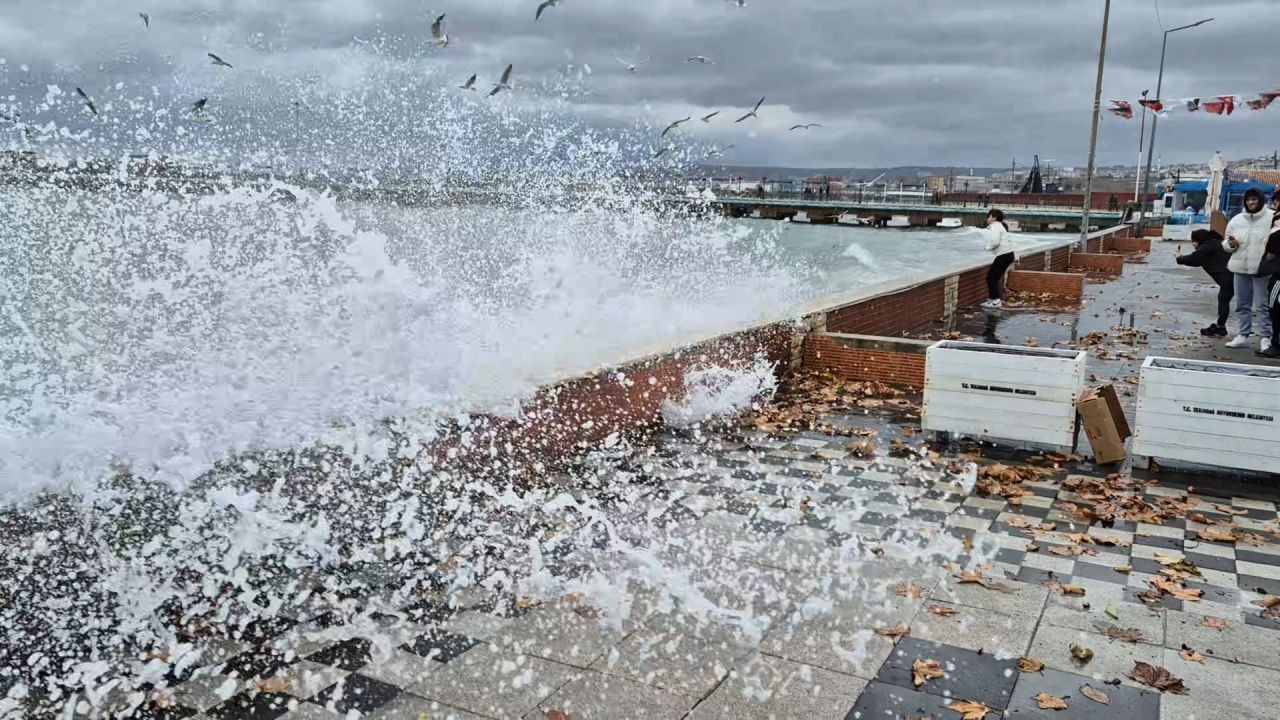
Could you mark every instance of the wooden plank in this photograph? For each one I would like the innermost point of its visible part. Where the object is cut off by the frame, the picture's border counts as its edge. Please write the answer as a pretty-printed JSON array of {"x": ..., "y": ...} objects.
[
  {"x": 1022, "y": 428},
  {"x": 993, "y": 395},
  {"x": 1063, "y": 405},
  {"x": 1068, "y": 376},
  {"x": 1146, "y": 445},
  {"x": 1207, "y": 432},
  {"x": 1231, "y": 377},
  {"x": 1209, "y": 397}
]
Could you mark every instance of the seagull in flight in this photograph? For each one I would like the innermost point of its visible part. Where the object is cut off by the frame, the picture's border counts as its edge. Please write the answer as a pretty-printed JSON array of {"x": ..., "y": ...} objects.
[
  {"x": 702, "y": 59},
  {"x": 146, "y": 19},
  {"x": 663, "y": 151},
  {"x": 715, "y": 153},
  {"x": 88, "y": 102},
  {"x": 632, "y": 68},
  {"x": 804, "y": 126},
  {"x": 503, "y": 84},
  {"x": 543, "y": 8},
  {"x": 675, "y": 125},
  {"x": 707, "y": 118},
  {"x": 198, "y": 107},
  {"x": 470, "y": 84},
  {"x": 438, "y": 34},
  {"x": 219, "y": 61},
  {"x": 751, "y": 114},
  {"x": 739, "y": 3}
]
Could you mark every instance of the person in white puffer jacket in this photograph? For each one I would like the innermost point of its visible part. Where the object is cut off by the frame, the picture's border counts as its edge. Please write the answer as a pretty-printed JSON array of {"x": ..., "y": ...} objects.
[{"x": 1247, "y": 241}]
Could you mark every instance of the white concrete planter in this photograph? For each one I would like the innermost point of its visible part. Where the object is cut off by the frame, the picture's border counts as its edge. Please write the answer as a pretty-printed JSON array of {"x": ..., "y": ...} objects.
[
  {"x": 1209, "y": 413},
  {"x": 1003, "y": 392}
]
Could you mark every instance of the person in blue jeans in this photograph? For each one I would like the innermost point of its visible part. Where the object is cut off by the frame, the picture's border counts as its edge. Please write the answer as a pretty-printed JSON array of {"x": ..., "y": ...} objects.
[{"x": 1247, "y": 236}]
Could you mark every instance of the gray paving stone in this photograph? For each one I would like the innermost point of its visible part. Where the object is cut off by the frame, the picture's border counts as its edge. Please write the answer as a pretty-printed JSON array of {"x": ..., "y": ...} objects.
[
  {"x": 882, "y": 701},
  {"x": 1125, "y": 703},
  {"x": 596, "y": 696},
  {"x": 1112, "y": 659},
  {"x": 411, "y": 707},
  {"x": 559, "y": 633},
  {"x": 842, "y": 637},
  {"x": 492, "y": 682},
  {"x": 764, "y": 688},
  {"x": 973, "y": 629},
  {"x": 1025, "y": 599},
  {"x": 1246, "y": 643},
  {"x": 969, "y": 675},
  {"x": 1149, "y": 621},
  {"x": 1220, "y": 690},
  {"x": 680, "y": 655}
]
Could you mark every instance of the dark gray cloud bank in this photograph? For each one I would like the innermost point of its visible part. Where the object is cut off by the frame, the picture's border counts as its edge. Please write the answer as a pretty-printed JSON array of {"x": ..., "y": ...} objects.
[{"x": 902, "y": 82}]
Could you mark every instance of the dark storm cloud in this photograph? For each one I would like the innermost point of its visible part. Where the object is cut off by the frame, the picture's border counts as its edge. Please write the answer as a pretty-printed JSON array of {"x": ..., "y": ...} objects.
[{"x": 910, "y": 81}]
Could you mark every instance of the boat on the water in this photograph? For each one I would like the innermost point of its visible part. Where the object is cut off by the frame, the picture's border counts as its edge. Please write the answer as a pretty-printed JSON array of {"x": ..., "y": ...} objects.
[{"x": 950, "y": 222}]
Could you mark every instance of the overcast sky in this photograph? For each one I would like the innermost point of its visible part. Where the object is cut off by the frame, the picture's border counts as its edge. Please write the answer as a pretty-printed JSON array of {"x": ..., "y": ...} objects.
[{"x": 894, "y": 82}]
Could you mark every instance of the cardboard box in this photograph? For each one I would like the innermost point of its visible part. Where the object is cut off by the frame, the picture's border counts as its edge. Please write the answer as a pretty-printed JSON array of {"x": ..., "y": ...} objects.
[{"x": 1104, "y": 423}]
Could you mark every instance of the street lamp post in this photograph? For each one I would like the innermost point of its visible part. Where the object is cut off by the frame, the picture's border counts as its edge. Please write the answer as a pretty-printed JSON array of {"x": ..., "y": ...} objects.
[
  {"x": 1155, "y": 117},
  {"x": 1093, "y": 136}
]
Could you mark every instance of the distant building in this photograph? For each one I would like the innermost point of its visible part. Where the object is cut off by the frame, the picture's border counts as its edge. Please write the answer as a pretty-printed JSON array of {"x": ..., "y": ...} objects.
[
  {"x": 971, "y": 183},
  {"x": 935, "y": 183}
]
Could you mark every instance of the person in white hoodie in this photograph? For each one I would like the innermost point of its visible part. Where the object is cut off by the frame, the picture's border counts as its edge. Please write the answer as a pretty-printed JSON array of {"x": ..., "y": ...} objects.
[
  {"x": 1001, "y": 245},
  {"x": 1247, "y": 242}
]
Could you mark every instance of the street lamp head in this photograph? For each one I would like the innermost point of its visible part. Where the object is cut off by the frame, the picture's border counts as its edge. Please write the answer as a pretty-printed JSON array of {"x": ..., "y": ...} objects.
[{"x": 1188, "y": 27}]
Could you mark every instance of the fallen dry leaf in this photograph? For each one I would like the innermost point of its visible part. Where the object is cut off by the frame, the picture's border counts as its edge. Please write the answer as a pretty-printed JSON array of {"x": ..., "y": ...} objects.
[
  {"x": 556, "y": 715},
  {"x": 923, "y": 670},
  {"x": 861, "y": 448},
  {"x": 273, "y": 684},
  {"x": 910, "y": 591},
  {"x": 1026, "y": 664},
  {"x": 1125, "y": 569},
  {"x": 1081, "y": 654},
  {"x": 1132, "y": 635},
  {"x": 1096, "y": 695},
  {"x": 894, "y": 632},
  {"x": 525, "y": 603},
  {"x": 1050, "y": 702},
  {"x": 1213, "y": 622},
  {"x": 1218, "y": 533},
  {"x": 943, "y": 610},
  {"x": 1268, "y": 602},
  {"x": 1156, "y": 677},
  {"x": 970, "y": 710},
  {"x": 1191, "y": 655},
  {"x": 1072, "y": 590}
]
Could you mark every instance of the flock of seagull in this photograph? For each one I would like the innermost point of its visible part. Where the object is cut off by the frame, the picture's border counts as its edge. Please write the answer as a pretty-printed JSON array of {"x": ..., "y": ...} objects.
[{"x": 440, "y": 38}]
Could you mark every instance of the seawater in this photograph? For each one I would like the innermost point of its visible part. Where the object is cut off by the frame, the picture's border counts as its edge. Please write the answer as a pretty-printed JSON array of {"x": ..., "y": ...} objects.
[{"x": 163, "y": 333}]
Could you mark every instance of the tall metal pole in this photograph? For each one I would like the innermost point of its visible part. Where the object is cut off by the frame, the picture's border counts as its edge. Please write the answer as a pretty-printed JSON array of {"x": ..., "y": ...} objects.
[
  {"x": 1155, "y": 118},
  {"x": 1093, "y": 137},
  {"x": 1151, "y": 147},
  {"x": 1137, "y": 170}
]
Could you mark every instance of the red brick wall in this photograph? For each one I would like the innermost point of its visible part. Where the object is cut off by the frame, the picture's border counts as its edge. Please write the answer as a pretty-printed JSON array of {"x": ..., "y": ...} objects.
[
  {"x": 1061, "y": 284},
  {"x": 973, "y": 287},
  {"x": 562, "y": 419},
  {"x": 822, "y": 351},
  {"x": 1060, "y": 259},
  {"x": 1123, "y": 244},
  {"x": 891, "y": 314},
  {"x": 1104, "y": 262}
]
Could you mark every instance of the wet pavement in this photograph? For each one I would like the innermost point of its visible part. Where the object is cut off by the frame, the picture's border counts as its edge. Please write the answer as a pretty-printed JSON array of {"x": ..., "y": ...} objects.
[{"x": 814, "y": 559}]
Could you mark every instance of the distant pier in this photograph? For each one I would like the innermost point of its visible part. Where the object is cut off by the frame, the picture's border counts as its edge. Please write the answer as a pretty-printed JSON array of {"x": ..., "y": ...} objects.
[{"x": 825, "y": 212}]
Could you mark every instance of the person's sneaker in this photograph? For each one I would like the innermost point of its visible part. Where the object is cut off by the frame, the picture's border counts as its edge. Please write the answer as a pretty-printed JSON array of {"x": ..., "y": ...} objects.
[
  {"x": 1240, "y": 341},
  {"x": 1272, "y": 352},
  {"x": 1221, "y": 332},
  {"x": 1212, "y": 330},
  {"x": 1266, "y": 345},
  {"x": 993, "y": 303}
]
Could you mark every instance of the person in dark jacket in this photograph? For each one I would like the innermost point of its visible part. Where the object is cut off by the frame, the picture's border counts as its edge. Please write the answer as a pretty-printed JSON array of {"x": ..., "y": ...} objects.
[
  {"x": 1271, "y": 264},
  {"x": 1210, "y": 256}
]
